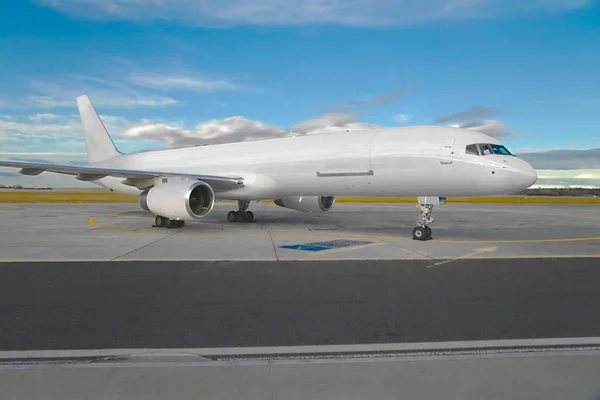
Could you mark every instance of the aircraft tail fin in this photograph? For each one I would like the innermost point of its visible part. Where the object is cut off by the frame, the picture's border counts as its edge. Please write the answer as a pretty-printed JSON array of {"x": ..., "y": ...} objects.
[{"x": 98, "y": 143}]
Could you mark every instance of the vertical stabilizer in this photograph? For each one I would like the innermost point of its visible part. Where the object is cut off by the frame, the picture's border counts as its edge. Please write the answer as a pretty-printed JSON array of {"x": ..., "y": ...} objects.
[{"x": 98, "y": 143}]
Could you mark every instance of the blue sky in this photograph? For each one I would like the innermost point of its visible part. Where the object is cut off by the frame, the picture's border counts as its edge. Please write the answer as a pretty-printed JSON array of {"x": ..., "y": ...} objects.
[{"x": 170, "y": 73}]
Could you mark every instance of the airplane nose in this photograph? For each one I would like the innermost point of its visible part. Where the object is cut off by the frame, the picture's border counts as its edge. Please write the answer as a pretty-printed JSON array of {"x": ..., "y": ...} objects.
[{"x": 526, "y": 175}]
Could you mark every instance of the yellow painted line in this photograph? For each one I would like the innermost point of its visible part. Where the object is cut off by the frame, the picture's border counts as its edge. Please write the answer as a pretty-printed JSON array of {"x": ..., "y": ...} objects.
[
  {"x": 92, "y": 222},
  {"x": 364, "y": 246},
  {"x": 556, "y": 240}
]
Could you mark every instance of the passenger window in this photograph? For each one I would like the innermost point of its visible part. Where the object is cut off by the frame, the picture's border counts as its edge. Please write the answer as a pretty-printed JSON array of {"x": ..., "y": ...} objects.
[{"x": 472, "y": 149}]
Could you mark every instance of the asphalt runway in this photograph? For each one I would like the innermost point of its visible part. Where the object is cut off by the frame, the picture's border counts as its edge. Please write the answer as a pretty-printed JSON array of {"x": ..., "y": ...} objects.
[{"x": 95, "y": 305}]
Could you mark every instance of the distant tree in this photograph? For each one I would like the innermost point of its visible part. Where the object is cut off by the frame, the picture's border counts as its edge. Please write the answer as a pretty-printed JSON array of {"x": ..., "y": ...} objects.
[{"x": 18, "y": 186}]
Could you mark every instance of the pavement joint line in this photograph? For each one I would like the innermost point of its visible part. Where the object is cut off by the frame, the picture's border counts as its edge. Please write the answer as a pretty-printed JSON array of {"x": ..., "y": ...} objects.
[
  {"x": 144, "y": 246},
  {"x": 465, "y": 256},
  {"x": 408, "y": 250},
  {"x": 274, "y": 247},
  {"x": 309, "y": 350}
]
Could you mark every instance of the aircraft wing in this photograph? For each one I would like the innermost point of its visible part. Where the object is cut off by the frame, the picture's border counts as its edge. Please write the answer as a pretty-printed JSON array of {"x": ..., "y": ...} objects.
[{"x": 135, "y": 178}]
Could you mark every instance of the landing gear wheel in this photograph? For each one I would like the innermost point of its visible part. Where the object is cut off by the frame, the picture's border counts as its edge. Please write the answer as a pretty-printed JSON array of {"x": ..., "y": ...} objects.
[
  {"x": 419, "y": 233},
  {"x": 179, "y": 224},
  {"x": 427, "y": 232},
  {"x": 231, "y": 216},
  {"x": 160, "y": 222},
  {"x": 241, "y": 215},
  {"x": 171, "y": 223}
]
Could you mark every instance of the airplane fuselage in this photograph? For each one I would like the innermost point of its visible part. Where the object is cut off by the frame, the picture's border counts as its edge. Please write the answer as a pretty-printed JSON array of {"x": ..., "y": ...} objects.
[{"x": 407, "y": 161}]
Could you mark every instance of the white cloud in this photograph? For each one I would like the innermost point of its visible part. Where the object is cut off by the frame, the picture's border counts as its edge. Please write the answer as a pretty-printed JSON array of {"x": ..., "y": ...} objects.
[
  {"x": 170, "y": 82},
  {"x": 293, "y": 12},
  {"x": 491, "y": 127},
  {"x": 27, "y": 130},
  {"x": 402, "y": 118},
  {"x": 472, "y": 113},
  {"x": 331, "y": 122},
  {"x": 473, "y": 118},
  {"x": 42, "y": 117},
  {"x": 63, "y": 94},
  {"x": 40, "y": 131},
  {"x": 237, "y": 129},
  {"x": 232, "y": 129}
]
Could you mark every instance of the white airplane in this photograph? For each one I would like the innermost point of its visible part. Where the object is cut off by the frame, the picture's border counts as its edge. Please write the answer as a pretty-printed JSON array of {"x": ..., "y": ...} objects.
[{"x": 303, "y": 173}]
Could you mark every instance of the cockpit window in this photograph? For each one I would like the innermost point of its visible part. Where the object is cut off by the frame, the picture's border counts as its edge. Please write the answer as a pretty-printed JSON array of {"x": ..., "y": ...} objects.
[
  {"x": 472, "y": 149},
  {"x": 485, "y": 149},
  {"x": 500, "y": 150}
]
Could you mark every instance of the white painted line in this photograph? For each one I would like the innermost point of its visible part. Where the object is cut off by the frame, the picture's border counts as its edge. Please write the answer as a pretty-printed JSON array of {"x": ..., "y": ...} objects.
[{"x": 299, "y": 350}]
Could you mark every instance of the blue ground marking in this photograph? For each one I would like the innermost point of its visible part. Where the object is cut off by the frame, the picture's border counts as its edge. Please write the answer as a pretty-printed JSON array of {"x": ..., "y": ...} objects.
[{"x": 327, "y": 245}]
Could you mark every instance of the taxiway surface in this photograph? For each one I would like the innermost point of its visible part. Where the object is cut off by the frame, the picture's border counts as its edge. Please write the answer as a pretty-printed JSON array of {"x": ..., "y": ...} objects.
[{"x": 115, "y": 232}]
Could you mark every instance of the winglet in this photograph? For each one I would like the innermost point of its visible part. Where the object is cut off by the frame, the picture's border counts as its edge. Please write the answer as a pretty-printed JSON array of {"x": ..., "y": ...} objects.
[{"x": 98, "y": 143}]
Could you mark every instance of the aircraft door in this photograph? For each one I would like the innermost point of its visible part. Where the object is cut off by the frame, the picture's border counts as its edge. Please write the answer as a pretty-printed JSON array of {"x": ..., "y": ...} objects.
[{"x": 447, "y": 150}]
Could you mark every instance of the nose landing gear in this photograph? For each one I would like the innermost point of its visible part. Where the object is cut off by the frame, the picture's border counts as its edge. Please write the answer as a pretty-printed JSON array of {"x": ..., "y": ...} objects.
[
  {"x": 426, "y": 203},
  {"x": 242, "y": 215}
]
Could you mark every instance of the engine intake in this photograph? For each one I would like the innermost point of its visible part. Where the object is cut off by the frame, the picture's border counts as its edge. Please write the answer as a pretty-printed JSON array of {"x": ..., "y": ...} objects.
[
  {"x": 183, "y": 200},
  {"x": 307, "y": 203}
]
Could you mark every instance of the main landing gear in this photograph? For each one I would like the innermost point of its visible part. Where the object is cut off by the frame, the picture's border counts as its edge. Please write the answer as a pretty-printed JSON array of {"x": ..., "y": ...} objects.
[
  {"x": 242, "y": 215},
  {"x": 422, "y": 231},
  {"x": 164, "y": 222}
]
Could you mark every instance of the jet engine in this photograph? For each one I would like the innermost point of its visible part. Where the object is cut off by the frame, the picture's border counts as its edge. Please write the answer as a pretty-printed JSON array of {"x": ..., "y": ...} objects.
[
  {"x": 307, "y": 203},
  {"x": 184, "y": 200}
]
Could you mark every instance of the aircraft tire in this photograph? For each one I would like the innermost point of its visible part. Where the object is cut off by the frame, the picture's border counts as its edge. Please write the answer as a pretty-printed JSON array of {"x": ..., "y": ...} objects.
[
  {"x": 159, "y": 221},
  {"x": 231, "y": 216},
  {"x": 249, "y": 216},
  {"x": 428, "y": 232},
  {"x": 419, "y": 233}
]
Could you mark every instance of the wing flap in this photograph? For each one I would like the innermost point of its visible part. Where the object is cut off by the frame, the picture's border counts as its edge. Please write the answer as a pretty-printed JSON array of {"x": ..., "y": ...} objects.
[{"x": 89, "y": 174}]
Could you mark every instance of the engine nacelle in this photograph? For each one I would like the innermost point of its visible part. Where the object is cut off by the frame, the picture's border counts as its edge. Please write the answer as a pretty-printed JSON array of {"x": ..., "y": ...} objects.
[
  {"x": 307, "y": 203},
  {"x": 183, "y": 200}
]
